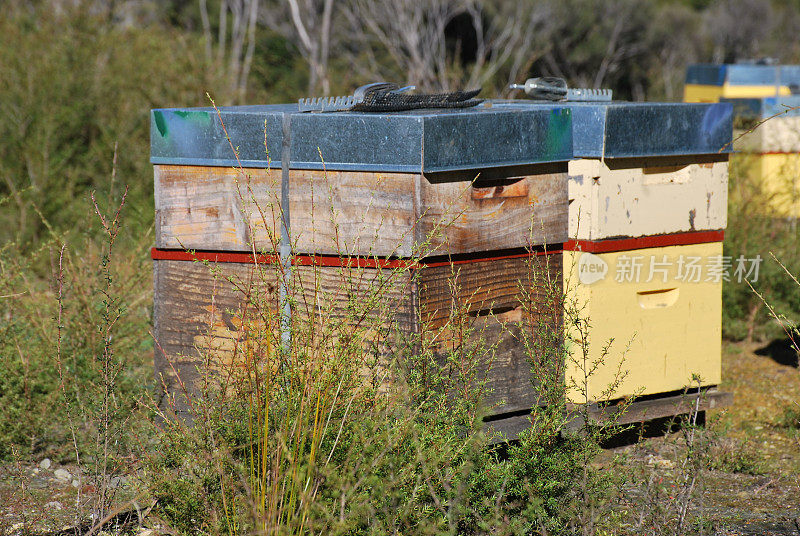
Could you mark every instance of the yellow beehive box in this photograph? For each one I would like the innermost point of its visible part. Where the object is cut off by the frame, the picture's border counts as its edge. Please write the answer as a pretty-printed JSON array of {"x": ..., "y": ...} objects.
[
  {"x": 709, "y": 93},
  {"x": 659, "y": 308},
  {"x": 775, "y": 182}
]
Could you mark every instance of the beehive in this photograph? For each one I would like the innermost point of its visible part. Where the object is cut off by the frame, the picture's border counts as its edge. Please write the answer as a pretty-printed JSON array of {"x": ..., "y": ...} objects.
[
  {"x": 767, "y": 135},
  {"x": 647, "y": 180},
  {"x": 712, "y": 82},
  {"x": 364, "y": 191}
]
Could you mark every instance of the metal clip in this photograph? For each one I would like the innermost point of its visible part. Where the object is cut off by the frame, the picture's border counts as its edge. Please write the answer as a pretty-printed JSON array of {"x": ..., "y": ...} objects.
[{"x": 555, "y": 89}]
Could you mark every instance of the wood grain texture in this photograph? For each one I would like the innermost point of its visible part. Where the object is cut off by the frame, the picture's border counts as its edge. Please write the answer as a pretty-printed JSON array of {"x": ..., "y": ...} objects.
[
  {"x": 212, "y": 317},
  {"x": 357, "y": 213},
  {"x": 216, "y": 317},
  {"x": 505, "y": 313},
  {"x": 639, "y": 411}
]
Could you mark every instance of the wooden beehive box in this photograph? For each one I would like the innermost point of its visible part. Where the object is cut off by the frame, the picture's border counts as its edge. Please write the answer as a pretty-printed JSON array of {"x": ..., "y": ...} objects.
[
  {"x": 471, "y": 195},
  {"x": 650, "y": 185}
]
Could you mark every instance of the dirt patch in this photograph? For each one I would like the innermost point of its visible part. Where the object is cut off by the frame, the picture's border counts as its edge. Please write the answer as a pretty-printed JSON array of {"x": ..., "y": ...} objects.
[{"x": 748, "y": 481}]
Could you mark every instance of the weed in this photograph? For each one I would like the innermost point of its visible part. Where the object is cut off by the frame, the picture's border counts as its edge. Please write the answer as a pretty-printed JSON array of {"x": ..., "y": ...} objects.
[
  {"x": 790, "y": 417},
  {"x": 734, "y": 456}
]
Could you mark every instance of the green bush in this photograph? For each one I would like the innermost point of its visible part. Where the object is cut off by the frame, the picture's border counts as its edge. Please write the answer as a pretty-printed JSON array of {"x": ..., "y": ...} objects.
[
  {"x": 790, "y": 418},
  {"x": 74, "y": 86},
  {"x": 752, "y": 231},
  {"x": 734, "y": 456},
  {"x": 52, "y": 378}
]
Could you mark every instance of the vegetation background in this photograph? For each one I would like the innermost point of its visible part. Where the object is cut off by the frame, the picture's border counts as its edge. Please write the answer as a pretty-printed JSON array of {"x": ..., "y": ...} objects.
[{"x": 78, "y": 78}]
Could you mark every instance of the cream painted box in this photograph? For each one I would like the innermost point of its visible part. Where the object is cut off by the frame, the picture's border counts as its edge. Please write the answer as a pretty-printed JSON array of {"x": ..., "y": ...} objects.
[
  {"x": 660, "y": 325},
  {"x": 647, "y": 196},
  {"x": 778, "y": 134}
]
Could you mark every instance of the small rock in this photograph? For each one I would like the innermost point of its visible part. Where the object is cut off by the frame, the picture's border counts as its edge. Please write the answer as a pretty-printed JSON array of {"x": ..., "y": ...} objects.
[
  {"x": 144, "y": 532},
  {"x": 75, "y": 483},
  {"x": 62, "y": 475},
  {"x": 55, "y": 505},
  {"x": 117, "y": 481},
  {"x": 45, "y": 464}
]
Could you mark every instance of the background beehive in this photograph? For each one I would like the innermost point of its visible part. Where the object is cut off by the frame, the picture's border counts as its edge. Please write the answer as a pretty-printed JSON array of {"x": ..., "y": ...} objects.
[
  {"x": 767, "y": 135},
  {"x": 712, "y": 82}
]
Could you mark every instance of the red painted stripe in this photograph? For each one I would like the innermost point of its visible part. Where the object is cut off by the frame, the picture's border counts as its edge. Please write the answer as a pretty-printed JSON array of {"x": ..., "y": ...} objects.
[
  {"x": 323, "y": 260},
  {"x": 644, "y": 242},
  {"x": 596, "y": 246},
  {"x": 298, "y": 260}
]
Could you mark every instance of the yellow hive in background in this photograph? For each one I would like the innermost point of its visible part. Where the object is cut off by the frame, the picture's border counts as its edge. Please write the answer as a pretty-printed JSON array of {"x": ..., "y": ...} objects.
[
  {"x": 664, "y": 330},
  {"x": 704, "y": 93},
  {"x": 768, "y": 143},
  {"x": 776, "y": 179},
  {"x": 714, "y": 82}
]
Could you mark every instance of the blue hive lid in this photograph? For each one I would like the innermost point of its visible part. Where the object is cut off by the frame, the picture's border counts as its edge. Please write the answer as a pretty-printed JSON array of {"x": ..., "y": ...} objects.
[
  {"x": 414, "y": 141},
  {"x": 619, "y": 129},
  {"x": 743, "y": 74},
  {"x": 765, "y": 107}
]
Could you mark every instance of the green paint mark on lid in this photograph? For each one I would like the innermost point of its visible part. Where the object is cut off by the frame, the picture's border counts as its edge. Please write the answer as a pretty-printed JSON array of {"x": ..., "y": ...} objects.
[{"x": 161, "y": 125}]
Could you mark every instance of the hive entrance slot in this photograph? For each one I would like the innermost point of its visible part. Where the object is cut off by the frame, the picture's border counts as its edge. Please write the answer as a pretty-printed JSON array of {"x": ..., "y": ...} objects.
[{"x": 657, "y": 299}]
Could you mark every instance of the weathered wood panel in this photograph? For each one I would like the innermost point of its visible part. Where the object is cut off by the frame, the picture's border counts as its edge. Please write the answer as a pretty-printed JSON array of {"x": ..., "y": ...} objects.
[
  {"x": 358, "y": 213},
  {"x": 216, "y": 316},
  {"x": 502, "y": 308}
]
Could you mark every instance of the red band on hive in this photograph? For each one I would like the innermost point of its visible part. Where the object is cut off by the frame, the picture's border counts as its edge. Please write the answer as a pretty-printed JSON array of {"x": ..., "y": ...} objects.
[
  {"x": 644, "y": 242},
  {"x": 590, "y": 246}
]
